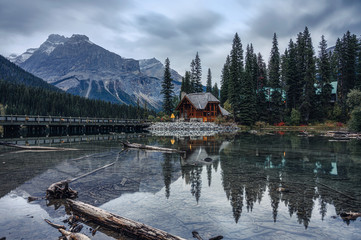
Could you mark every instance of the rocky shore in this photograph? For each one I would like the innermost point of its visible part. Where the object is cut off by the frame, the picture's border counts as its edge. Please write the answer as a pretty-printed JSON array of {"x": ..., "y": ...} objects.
[{"x": 190, "y": 128}]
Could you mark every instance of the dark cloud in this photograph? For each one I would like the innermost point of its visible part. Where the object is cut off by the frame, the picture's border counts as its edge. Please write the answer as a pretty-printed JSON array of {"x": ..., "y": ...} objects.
[
  {"x": 139, "y": 29},
  {"x": 157, "y": 25},
  {"x": 287, "y": 18},
  {"x": 25, "y": 17}
]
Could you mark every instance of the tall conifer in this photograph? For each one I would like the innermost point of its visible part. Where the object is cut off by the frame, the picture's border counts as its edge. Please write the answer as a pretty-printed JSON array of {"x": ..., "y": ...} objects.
[
  {"x": 275, "y": 113},
  {"x": 167, "y": 89},
  {"x": 236, "y": 71},
  {"x": 209, "y": 81},
  {"x": 324, "y": 78},
  {"x": 225, "y": 81}
]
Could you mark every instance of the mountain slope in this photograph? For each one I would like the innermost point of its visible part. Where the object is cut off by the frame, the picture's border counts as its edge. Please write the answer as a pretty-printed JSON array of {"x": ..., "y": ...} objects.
[
  {"x": 78, "y": 66},
  {"x": 12, "y": 73}
]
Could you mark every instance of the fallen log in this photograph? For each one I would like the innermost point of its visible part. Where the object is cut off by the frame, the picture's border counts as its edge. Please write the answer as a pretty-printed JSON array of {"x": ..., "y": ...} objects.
[
  {"x": 73, "y": 236},
  {"x": 147, "y": 147},
  {"x": 38, "y": 148},
  {"x": 54, "y": 225},
  {"x": 61, "y": 189},
  {"x": 120, "y": 224},
  {"x": 350, "y": 215}
]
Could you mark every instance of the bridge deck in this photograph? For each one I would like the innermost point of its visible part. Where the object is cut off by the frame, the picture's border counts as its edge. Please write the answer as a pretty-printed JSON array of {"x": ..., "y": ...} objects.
[{"x": 54, "y": 120}]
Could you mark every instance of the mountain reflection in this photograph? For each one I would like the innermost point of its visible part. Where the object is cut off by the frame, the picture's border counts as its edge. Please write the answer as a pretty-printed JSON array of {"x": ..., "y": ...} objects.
[{"x": 293, "y": 170}]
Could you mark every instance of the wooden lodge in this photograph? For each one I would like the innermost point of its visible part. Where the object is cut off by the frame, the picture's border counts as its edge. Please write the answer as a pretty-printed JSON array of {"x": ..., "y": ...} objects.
[{"x": 200, "y": 107}]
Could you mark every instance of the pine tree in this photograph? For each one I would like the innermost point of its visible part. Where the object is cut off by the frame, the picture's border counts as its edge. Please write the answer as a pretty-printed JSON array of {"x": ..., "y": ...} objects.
[
  {"x": 167, "y": 89},
  {"x": 193, "y": 76},
  {"x": 293, "y": 83},
  {"x": 324, "y": 76},
  {"x": 307, "y": 107},
  {"x": 215, "y": 91},
  {"x": 225, "y": 81},
  {"x": 275, "y": 113},
  {"x": 358, "y": 67},
  {"x": 209, "y": 81},
  {"x": 247, "y": 96},
  {"x": 187, "y": 82},
  {"x": 236, "y": 76},
  {"x": 198, "y": 74},
  {"x": 346, "y": 54},
  {"x": 261, "y": 103}
]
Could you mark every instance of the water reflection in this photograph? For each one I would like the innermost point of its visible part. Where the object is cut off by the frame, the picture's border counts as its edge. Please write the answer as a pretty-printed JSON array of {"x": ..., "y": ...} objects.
[
  {"x": 295, "y": 170},
  {"x": 243, "y": 186}
]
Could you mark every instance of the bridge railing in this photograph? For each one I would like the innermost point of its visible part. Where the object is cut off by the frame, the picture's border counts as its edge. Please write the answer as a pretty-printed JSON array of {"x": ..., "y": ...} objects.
[{"x": 68, "y": 120}]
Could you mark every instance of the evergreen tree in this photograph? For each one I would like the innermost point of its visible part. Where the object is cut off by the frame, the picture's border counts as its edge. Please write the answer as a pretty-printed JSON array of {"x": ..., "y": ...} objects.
[
  {"x": 167, "y": 89},
  {"x": 261, "y": 103},
  {"x": 225, "y": 81},
  {"x": 247, "y": 96},
  {"x": 236, "y": 76},
  {"x": 197, "y": 74},
  {"x": 187, "y": 82},
  {"x": 209, "y": 81},
  {"x": 324, "y": 77},
  {"x": 293, "y": 83},
  {"x": 358, "y": 67},
  {"x": 346, "y": 55},
  {"x": 307, "y": 107},
  {"x": 275, "y": 111},
  {"x": 182, "y": 87},
  {"x": 193, "y": 76},
  {"x": 215, "y": 91}
]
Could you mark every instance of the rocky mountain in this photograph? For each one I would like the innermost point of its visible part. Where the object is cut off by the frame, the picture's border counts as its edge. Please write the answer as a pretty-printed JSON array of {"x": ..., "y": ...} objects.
[
  {"x": 78, "y": 66},
  {"x": 154, "y": 68}
]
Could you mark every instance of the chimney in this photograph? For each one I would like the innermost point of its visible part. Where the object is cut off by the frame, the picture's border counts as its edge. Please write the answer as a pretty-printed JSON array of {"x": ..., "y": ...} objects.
[{"x": 183, "y": 95}]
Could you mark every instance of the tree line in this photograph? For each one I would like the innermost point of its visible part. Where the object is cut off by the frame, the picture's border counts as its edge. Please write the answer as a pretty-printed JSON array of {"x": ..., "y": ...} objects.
[
  {"x": 22, "y": 93},
  {"x": 294, "y": 87},
  {"x": 18, "y": 99}
]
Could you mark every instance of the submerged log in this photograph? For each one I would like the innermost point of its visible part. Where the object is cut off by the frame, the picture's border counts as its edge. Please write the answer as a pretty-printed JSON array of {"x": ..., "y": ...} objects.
[
  {"x": 120, "y": 224},
  {"x": 73, "y": 236},
  {"x": 147, "y": 147},
  {"x": 60, "y": 190},
  {"x": 35, "y": 147},
  {"x": 54, "y": 225},
  {"x": 350, "y": 215}
]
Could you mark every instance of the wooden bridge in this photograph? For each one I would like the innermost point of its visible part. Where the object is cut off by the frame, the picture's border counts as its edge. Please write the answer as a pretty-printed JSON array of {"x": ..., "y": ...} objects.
[{"x": 24, "y": 125}]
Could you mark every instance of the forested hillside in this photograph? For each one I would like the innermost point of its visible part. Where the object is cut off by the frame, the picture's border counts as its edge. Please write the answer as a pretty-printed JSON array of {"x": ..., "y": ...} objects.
[
  {"x": 23, "y": 93},
  {"x": 12, "y": 73},
  {"x": 21, "y": 99}
]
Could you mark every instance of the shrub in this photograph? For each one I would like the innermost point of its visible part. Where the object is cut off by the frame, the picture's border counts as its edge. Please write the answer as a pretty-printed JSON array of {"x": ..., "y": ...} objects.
[
  {"x": 355, "y": 122},
  {"x": 295, "y": 117},
  {"x": 260, "y": 124}
]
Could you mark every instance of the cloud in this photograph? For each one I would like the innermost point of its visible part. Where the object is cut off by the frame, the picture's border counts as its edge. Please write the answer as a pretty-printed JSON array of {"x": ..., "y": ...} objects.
[
  {"x": 26, "y": 17},
  {"x": 143, "y": 29}
]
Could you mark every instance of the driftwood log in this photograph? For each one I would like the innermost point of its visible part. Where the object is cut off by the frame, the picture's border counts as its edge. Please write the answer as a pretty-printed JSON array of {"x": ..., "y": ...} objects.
[
  {"x": 148, "y": 147},
  {"x": 73, "y": 236},
  {"x": 120, "y": 224},
  {"x": 350, "y": 215},
  {"x": 38, "y": 148},
  {"x": 61, "y": 189}
]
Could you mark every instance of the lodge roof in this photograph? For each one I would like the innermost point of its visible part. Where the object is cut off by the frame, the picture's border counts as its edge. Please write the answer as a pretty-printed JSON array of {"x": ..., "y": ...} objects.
[{"x": 200, "y": 100}]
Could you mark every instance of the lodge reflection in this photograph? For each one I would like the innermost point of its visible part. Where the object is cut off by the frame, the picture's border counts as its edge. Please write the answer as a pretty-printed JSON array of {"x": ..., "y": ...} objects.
[{"x": 294, "y": 171}]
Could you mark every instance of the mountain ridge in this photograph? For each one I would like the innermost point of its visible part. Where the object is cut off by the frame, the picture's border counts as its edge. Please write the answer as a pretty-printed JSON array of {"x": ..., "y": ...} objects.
[{"x": 81, "y": 67}]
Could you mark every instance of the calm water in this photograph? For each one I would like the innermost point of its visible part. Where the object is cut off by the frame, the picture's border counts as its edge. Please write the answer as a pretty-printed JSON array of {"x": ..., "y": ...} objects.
[{"x": 236, "y": 195}]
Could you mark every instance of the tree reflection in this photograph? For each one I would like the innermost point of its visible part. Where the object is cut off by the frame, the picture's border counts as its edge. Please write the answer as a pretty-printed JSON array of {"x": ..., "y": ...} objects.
[{"x": 296, "y": 171}]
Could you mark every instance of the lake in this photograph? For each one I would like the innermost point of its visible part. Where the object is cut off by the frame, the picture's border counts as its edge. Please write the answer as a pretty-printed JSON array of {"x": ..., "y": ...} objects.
[{"x": 272, "y": 186}]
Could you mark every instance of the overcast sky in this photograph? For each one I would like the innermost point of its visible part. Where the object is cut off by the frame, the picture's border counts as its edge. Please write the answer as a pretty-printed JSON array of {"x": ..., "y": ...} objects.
[{"x": 176, "y": 29}]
